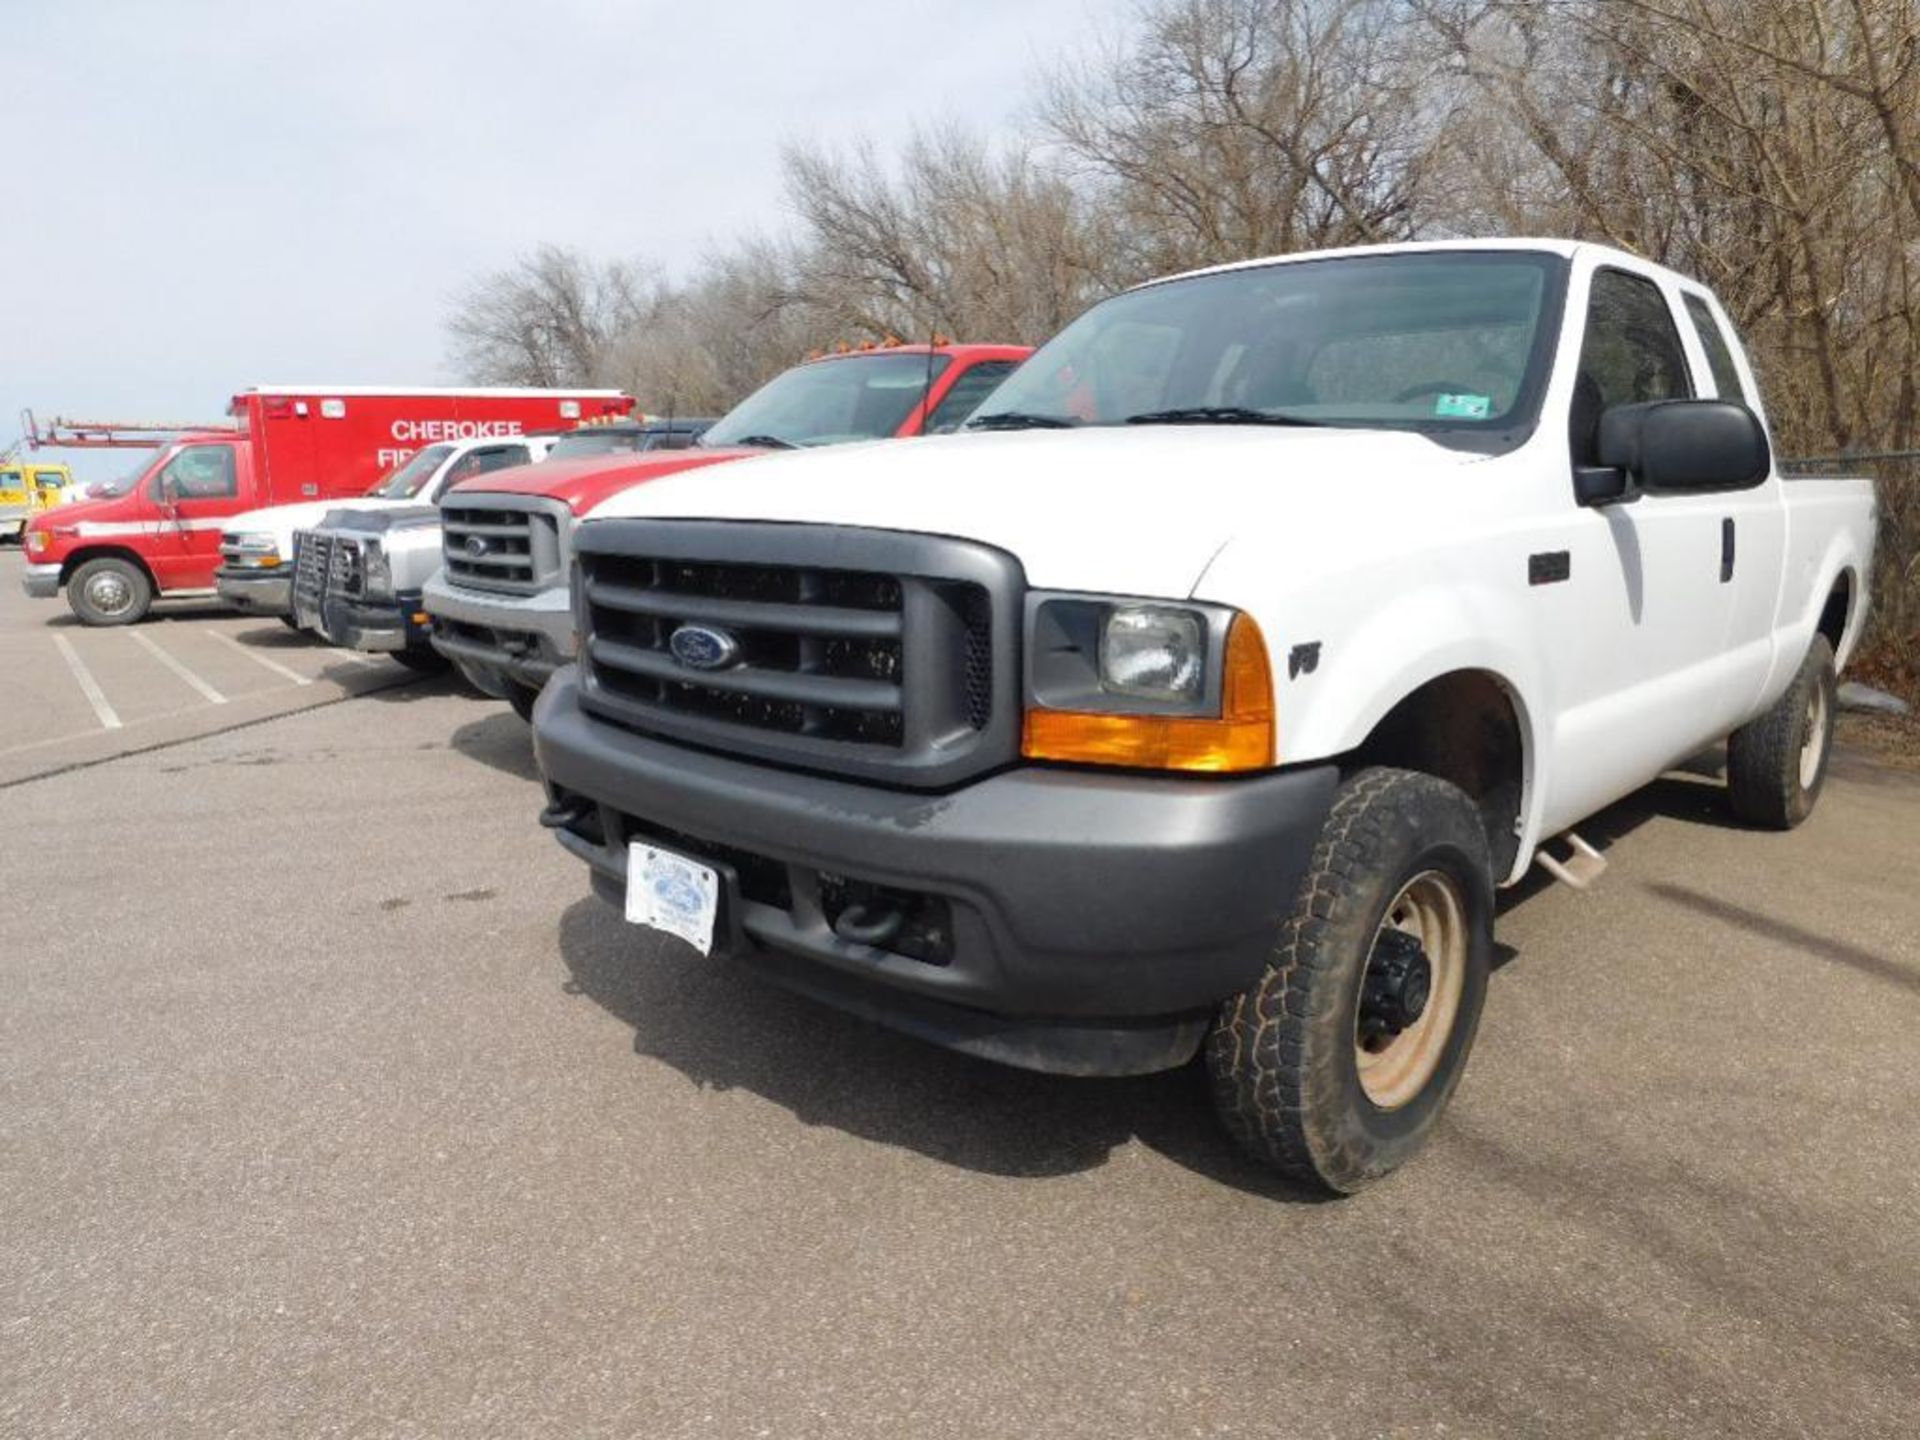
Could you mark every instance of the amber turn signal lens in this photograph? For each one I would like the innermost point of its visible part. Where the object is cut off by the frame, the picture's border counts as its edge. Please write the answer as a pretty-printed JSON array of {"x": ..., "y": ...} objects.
[{"x": 1241, "y": 739}]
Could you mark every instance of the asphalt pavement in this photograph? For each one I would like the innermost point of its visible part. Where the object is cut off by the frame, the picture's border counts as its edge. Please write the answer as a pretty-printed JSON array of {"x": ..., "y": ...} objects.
[{"x": 332, "y": 1105}]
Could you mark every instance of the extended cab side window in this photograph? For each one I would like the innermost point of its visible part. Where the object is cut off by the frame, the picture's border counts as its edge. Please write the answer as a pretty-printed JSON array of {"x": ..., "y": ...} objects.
[
  {"x": 1631, "y": 353},
  {"x": 200, "y": 472},
  {"x": 964, "y": 398},
  {"x": 1726, "y": 378}
]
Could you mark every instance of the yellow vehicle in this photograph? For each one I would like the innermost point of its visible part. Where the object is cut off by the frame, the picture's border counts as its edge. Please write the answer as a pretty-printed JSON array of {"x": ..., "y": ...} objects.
[{"x": 27, "y": 488}]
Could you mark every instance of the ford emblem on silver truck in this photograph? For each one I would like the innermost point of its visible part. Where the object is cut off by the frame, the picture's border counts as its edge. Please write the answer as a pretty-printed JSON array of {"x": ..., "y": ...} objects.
[
  {"x": 477, "y": 545},
  {"x": 700, "y": 648}
]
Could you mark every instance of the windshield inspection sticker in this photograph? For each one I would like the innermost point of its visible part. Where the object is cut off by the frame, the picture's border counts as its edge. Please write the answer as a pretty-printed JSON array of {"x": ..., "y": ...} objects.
[
  {"x": 1463, "y": 407},
  {"x": 671, "y": 893}
]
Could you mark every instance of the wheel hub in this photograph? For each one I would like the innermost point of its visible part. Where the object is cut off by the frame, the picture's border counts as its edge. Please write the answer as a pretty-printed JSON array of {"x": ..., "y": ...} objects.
[
  {"x": 1398, "y": 983},
  {"x": 109, "y": 592}
]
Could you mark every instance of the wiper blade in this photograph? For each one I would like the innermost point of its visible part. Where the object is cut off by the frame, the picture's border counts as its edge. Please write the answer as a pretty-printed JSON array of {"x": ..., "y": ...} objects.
[
  {"x": 1020, "y": 420},
  {"x": 767, "y": 442},
  {"x": 1216, "y": 415}
]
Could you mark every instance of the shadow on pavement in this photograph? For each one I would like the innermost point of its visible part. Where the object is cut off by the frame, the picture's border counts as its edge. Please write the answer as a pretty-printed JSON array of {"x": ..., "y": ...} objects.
[
  {"x": 726, "y": 1029},
  {"x": 499, "y": 738}
]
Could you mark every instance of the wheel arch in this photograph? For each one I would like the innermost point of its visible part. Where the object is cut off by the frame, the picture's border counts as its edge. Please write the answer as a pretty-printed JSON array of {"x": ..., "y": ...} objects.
[
  {"x": 107, "y": 552},
  {"x": 1471, "y": 726}
]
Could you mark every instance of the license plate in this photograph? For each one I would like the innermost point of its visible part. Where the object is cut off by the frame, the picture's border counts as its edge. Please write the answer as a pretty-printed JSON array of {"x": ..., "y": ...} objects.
[{"x": 671, "y": 893}]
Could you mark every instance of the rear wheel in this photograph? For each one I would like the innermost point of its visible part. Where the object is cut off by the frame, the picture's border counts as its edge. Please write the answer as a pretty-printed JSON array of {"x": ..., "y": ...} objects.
[
  {"x": 1336, "y": 1066},
  {"x": 109, "y": 591},
  {"x": 1777, "y": 763}
]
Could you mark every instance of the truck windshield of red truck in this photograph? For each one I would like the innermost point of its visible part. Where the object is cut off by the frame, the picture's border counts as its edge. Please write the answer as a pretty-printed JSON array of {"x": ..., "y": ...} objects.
[
  {"x": 826, "y": 402},
  {"x": 121, "y": 484}
]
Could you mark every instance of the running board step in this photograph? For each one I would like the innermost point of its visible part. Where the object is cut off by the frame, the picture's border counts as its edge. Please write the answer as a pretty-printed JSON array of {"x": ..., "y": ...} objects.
[{"x": 1580, "y": 869}]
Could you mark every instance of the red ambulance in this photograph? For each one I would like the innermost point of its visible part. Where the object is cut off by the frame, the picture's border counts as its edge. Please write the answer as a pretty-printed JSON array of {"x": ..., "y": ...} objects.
[{"x": 157, "y": 532}]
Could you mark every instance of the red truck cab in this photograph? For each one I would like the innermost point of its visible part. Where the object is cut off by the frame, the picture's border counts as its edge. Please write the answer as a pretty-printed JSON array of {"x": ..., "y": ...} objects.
[
  {"x": 499, "y": 605},
  {"x": 157, "y": 532}
]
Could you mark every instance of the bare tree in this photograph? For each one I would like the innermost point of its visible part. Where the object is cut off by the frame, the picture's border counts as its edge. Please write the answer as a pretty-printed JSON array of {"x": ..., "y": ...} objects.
[
  {"x": 552, "y": 319},
  {"x": 1234, "y": 128}
]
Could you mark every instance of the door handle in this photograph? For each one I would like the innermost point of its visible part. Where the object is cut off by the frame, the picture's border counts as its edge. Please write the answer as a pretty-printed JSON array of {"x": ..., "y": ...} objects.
[{"x": 1726, "y": 549}]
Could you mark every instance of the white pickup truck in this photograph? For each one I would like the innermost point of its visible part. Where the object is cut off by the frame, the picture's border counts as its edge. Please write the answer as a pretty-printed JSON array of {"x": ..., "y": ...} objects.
[
  {"x": 1271, "y": 617},
  {"x": 256, "y": 547}
]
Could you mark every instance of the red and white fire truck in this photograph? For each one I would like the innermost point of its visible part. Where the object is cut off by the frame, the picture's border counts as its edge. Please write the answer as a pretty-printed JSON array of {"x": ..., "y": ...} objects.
[{"x": 156, "y": 532}]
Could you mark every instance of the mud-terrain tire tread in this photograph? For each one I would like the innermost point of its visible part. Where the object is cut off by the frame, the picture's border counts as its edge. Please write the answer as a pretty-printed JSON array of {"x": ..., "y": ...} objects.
[
  {"x": 1763, "y": 756},
  {"x": 1275, "y": 1082}
]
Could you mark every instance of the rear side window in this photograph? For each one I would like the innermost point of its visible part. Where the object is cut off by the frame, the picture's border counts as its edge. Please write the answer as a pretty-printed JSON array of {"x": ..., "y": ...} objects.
[
  {"x": 965, "y": 396},
  {"x": 1726, "y": 379},
  {"x": 1631, "y": 353}
]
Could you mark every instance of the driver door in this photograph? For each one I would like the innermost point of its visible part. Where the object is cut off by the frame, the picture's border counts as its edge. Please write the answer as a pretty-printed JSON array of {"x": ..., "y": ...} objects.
[{"x": 196, "y": 492}]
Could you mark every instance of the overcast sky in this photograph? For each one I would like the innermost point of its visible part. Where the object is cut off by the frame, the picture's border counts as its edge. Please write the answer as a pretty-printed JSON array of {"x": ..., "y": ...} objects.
[{"x": 208, "y": 195}]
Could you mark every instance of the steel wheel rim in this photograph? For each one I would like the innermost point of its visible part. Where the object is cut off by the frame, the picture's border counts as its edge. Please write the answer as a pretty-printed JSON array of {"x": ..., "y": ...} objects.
[
  {"x": 1431, "y": 908},
  {"x": 1814, "y": 744},
  {"x": 109, "y": 593}
]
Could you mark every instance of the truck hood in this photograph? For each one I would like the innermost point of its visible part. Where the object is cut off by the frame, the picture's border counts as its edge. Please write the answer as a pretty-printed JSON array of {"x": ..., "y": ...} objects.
[
  {"x": 281, "y": 521},
  {"x": 1135, "y": 510},
  {"x": 583, "y": 484}
]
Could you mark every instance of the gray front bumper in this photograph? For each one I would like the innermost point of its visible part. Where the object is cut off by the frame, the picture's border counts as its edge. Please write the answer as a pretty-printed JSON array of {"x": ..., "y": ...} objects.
[
  {"x": 41, "y": 582},
  {"x": 1097, "y": 918},
  {"x": 522, "y": 637},
  {"x": 258, "y": 592}
]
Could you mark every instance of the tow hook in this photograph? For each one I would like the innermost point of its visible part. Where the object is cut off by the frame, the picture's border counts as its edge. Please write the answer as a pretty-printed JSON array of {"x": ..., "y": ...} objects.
[
  {"x": 1394, "y": 994},
  {"x": 864, "y": 924},
  {"x": 566, "y": 812}
]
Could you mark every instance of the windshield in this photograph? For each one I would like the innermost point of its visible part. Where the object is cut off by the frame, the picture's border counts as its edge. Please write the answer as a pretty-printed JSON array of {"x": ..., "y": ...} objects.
[
  {"x": 122, "y": 484},
  {"x": 1438, "y": 341},
  {"x": 409, "y": 479},
  {"x": 583, "y": 443},
  {"x": 826, "y": 402}
]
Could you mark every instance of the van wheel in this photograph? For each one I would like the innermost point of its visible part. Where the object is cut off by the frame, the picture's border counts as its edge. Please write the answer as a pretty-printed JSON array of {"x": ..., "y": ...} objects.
[
  {"x": 1777, "y": 763},
  {"x": 1336, "y": 1066},
  {"x": 109, "y": 592},
  {"x": 521, "y": 697}
]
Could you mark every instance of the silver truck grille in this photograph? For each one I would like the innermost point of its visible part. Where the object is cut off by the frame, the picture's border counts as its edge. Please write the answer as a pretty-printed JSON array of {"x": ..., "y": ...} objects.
[
  {"x": 868, "y": 652},
  {"x": 312, "y": 561},
  {"x": 500, "y": 547}
]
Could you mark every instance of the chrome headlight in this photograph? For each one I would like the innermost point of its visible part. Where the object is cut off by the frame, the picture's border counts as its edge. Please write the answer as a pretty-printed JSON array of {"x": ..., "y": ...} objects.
[
  {"x": 1153, "y": 651},
  {"x": 1146, "y": 684},
  {"x": 251, "y": 550},
  {"x": 376, "y": 570}
]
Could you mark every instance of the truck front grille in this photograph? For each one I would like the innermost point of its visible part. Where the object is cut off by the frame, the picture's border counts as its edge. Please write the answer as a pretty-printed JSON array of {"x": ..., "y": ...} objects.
[
  {"x": 870, "y": 652},
  {"x": 493, "y": 543}
]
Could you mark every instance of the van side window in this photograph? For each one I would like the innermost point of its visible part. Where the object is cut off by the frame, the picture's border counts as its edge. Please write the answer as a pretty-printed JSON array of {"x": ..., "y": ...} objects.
[
  {"x": 1631, "y": 353},
  {"x": 201, "y": 472},
  {"x": 965, "y": 396},
  {"x": 1726, "y": 379}
]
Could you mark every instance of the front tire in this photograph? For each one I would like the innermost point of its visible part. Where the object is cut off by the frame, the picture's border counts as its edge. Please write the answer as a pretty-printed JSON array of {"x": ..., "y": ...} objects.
[
  {"x": 1777, "y": 763},
  {"x": 109, "y": 591},
  {"x": 1336, "y": 1066}
]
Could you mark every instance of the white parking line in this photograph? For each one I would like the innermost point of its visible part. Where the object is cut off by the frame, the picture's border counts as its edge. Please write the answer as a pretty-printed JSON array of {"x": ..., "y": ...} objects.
[
  {"x": 174, "y": 665},
  {"x": 88, "y": 685},
  {"x": 252, "y": 654},
  {"x": 354, "y": 655}
]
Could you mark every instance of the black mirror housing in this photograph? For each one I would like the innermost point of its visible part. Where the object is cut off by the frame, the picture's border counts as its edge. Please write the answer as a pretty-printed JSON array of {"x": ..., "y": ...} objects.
[{"x": 1686, "y": 446}]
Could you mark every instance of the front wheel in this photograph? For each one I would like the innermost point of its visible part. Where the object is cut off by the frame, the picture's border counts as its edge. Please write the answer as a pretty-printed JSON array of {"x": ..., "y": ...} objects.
[
  {"x": 521, "y": 697},
  {"x": 1777, "y": 763},
  {"x": 109, "y": 591},
  {"x": 1336, "y": 1066}
]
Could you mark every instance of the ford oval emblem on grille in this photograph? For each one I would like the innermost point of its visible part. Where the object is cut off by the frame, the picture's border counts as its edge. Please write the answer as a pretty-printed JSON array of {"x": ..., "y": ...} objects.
[
  {"x": 477, "y": 545},
  {"x": 700, "y": 648}
]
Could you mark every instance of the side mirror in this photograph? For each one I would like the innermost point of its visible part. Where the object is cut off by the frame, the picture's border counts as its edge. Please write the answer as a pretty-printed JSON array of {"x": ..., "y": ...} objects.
[{"x": 1685, "y": 446}]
